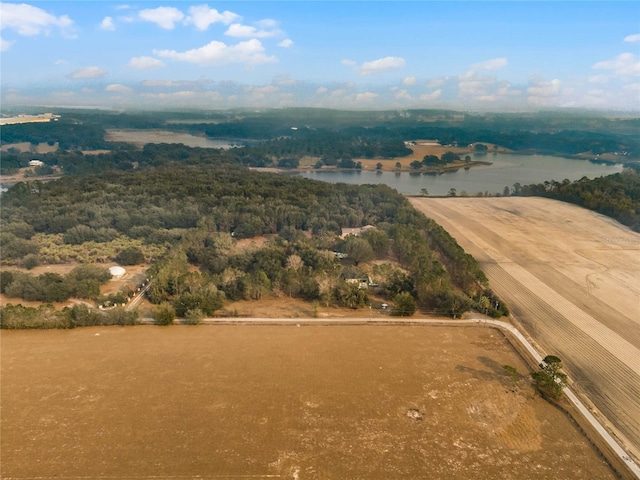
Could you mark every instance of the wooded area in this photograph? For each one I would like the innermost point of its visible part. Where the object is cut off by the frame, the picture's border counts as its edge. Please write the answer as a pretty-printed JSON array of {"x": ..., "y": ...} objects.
[
  {"x": 192, "y": 214},
  {"x": 182, "y": 210}
]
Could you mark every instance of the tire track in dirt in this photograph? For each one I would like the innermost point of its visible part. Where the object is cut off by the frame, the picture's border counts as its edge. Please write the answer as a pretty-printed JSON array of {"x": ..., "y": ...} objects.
[{"x": 592, "y": 352}]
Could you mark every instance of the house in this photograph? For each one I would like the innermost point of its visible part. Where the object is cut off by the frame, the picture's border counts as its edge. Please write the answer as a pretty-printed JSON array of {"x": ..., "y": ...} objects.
[
  {"x": 36, "y": 163},
  {"x": 363, "y": 283},
  {"x": 355, "y": 231}
]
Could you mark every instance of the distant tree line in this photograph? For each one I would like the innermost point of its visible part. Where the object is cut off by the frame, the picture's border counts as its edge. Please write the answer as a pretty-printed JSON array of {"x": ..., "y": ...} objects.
[
  {"x": 68, "y": 133},
  {"x": 276, "y": 134},
  {"x": 617, "y": 195}
]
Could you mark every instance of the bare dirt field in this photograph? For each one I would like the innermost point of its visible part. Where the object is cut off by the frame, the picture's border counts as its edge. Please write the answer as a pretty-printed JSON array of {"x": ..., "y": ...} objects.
[
  {"x": 141, "y": 137},
  {"x": 310, "y": 402},
  {"x": 572, "y": 279}
]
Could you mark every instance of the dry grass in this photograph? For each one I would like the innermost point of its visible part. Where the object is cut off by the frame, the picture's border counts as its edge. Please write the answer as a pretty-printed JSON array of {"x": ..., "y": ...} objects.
[{"x": 306, "y": 402}]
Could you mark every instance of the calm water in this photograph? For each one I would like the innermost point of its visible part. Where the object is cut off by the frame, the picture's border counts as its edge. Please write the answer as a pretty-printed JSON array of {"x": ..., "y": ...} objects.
[{"x": 506, "y": 169}]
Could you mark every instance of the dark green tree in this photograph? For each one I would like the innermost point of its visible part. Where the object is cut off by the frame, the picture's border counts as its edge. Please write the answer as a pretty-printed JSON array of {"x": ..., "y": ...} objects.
[
  {"x": 404, "y": 305},
  {"x": 164, "y": 314},
  {"x": 358, "y": 249},
  {"x": 550, "y": 380},
  {"x": 130, "y": 256}
]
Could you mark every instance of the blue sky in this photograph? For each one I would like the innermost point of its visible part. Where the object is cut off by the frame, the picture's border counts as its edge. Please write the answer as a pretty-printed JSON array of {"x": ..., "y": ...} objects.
[{"x": 478, "y": 55}]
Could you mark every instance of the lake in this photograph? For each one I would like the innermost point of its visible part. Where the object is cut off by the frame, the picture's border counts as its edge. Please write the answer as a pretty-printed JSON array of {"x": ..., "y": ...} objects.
[{"x": 505, "y": 170}]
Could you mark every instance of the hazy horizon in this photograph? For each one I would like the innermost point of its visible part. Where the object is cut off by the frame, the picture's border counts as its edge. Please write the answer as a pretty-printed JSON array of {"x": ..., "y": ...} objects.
[{"x": 360, "y": 55}]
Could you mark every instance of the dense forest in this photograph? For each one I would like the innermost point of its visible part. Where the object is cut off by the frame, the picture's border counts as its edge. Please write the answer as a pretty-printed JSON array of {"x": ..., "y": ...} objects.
[{"x": 191, "y": 214}]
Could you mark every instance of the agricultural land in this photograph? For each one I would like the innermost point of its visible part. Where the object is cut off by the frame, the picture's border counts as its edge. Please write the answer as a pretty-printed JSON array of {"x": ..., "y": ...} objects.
[
  {"x": 572, "y": 279},
  {"x": 312, "y": 402}
]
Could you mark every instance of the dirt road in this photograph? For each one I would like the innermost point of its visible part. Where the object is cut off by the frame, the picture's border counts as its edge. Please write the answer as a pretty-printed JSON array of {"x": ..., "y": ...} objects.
[{"x": 572, "y": 279}]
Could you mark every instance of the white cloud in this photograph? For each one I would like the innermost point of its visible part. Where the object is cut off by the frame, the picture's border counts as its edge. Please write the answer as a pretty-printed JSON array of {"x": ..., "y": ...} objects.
[
  {"x": 286, "y": 43},
  {"x": 403, "y": 95},
  {"x": 365, "y": 96},
  {"x": 267, "y": 23},
  {"x": 410, "y": 81},
  {"x": 217, "y": 53},
  {"x": 165, "y": 83},
  {"x": 284, "y": 79},
  {"x": 185, "y": 94},
  {"x": 492, "y": 64},
  {"x": 598, "y": 79},
  {"x": 107, "y": 24},
  {"x": 88, "y": 72},
  {"x": 118, "y": 88},
  {"x": 5, "y": 45},
  {"x": 431, "y": 96},
  {"x": 437, "y": 82},
  {"x": 164, "y": 17},
  {"x": 122, "y": 7},
  {"x": 348, "y": 63},
  {"x": 145, "y": 63},
  {"x": 322, "y": 90},
  {"x": 381, "y": 65},
  {"x": 475, "y": 85},
  {"x": 261, "y": 92},
  {"x": 245, "y": 31},
  {"x": 505, "y": 90},
  {"x": 624, "y": 64},
  {"x": 28, "y": 20},
  {"x": 632, "y": 38},
  {"x": 201, "y": 16},
  {"x": 541, "y": 92}
]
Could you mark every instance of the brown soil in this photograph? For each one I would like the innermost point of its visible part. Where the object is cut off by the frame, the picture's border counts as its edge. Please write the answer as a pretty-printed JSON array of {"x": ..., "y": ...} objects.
[
  {"x": 572, "y": 280},
  {"x": 306, "y": 402}
]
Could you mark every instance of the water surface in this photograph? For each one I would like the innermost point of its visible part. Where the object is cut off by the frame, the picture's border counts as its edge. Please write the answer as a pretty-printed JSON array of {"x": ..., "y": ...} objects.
[{"x": 505, "y": 170}]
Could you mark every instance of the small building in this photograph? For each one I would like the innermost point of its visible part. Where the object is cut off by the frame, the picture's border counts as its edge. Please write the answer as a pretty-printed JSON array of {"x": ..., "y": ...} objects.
[
  {"x": 355, "y": 231},
  {"x": 36, "y": 163},
  {"x": 362, "y": 283},
  {"x": 117, "y": 272}
]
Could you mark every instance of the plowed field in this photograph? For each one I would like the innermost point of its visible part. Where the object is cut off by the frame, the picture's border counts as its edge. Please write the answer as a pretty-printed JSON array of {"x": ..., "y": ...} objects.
[{"x": 572, "y": 279}]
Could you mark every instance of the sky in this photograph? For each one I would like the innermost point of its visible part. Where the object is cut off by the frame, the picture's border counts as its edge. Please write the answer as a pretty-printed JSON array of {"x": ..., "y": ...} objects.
[{"x": 464, "y": 55}]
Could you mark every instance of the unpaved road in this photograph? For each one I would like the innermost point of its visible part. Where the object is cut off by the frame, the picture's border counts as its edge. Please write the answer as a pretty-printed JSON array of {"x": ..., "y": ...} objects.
[{"x": 572, "y": 279}]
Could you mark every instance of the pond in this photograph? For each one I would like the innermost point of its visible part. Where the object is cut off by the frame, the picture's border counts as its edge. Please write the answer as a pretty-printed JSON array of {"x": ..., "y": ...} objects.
[{"x": 505, "y": 170}]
